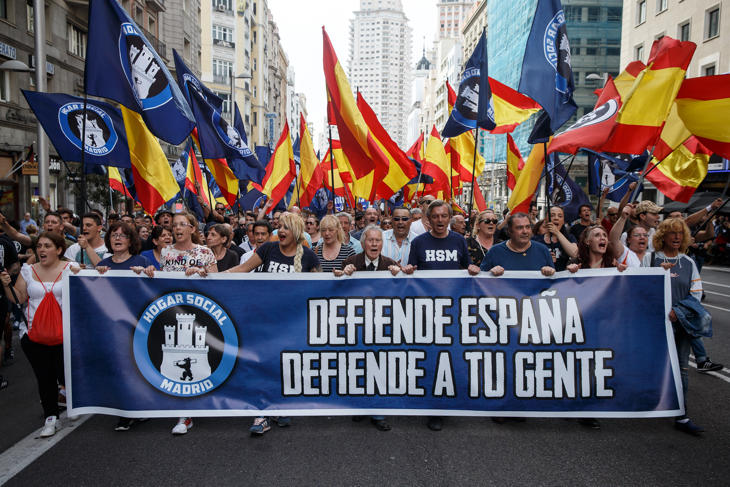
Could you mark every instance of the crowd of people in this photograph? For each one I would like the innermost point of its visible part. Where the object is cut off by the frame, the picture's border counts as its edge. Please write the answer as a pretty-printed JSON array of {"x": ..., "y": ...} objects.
[{"x": 399, "y": 240}]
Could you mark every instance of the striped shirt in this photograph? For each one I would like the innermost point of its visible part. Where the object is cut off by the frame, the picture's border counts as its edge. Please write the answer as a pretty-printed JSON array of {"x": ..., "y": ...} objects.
[
  {"x": 330, "y": 265},
  {"x": 395, "y": 252}
]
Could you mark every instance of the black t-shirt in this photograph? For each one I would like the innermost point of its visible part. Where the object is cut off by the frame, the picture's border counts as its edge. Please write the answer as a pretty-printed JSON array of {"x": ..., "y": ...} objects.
[
  {"x": 577, "y": 229},
  {"x": 8, "y": 252},
  {"x": 230, "y": 259},
  {"x": 556, "y": 250},
  {"x": 237, "y": 250},
  {"x": 433, "y": 253},
  {"x": 274, "y": 261}
]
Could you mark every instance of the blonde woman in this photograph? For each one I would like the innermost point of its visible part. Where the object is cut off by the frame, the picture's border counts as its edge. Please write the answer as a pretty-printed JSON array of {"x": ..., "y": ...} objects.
[
  {"x": 287, "y": 255},
  {"x": 483, "y": 236},
  {"x": 332, "y": 250},
  {"x": 671, "y": 240}
]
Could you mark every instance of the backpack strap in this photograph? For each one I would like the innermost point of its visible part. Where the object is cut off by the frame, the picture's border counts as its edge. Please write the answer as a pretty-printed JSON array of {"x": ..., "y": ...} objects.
[
  {"x": 59, "y": 276},
  {"x": 39, "y": 278}
]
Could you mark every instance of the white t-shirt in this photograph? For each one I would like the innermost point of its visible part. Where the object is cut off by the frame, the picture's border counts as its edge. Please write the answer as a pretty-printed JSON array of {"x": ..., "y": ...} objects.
[
  {"x": 649, "y": 244},
  {"x": 417, "y": 227},
  {"x": 629, "y": 258},
  {"x": 37, "y": 291},
  {"x": 73, "y": 253},
  {"x": 247, "y": 256}
]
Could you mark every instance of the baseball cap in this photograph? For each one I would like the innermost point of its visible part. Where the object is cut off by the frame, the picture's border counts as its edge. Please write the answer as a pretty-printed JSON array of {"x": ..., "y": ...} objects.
[{"x": 648, "y": 207}]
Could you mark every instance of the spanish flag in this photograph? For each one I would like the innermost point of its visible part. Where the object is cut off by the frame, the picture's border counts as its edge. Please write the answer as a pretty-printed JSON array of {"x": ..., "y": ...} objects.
[
  {"x": 222, "y": 173},
  {"x": 153, "y": 179},
  {"x": 704, "y": 107},
  {"x": 515, "y": 164},
  {"x": 436, "y": 164},
  {"x": 281, "y": 170},
  {"x": 526, "y": 185},
  {"x": 450, "y": 96},
  {"x": 358, "y": 142},
  {"x": 341, "y": 188},
  {"x": 116, "y": 182},
  {"x": 310, "y": 174},
  {"x": 682, "y": 171},
  {"x": 479, "y": 198},
  {"x": 399, "y": 170}
]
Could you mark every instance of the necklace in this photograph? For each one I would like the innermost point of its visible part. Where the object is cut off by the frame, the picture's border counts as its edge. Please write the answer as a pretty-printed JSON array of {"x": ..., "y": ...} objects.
[{"x": 523, "y": 252}]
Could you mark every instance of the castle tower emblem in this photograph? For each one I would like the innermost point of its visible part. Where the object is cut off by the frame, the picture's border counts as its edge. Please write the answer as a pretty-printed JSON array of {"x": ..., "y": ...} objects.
[
  {"x": 94, "y": 133},
  {"x": 144, "y": 69},
  {"x": 185, "y": 354}
]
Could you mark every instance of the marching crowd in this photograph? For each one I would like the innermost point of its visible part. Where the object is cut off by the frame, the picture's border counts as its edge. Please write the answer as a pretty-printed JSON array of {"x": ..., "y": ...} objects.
[{"x": 401, "y": 240}]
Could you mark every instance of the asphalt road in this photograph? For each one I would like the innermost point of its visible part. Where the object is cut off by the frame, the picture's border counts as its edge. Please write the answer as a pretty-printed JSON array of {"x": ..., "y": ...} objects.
[{"x": 337, "y": 451}]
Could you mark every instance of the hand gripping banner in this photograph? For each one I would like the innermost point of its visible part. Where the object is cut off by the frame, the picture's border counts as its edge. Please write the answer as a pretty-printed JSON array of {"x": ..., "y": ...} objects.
[{"x": 595, "y": 344}]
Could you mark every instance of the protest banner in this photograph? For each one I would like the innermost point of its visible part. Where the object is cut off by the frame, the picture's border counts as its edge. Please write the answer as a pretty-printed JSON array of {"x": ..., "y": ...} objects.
[{"x": 595, "y": 344}]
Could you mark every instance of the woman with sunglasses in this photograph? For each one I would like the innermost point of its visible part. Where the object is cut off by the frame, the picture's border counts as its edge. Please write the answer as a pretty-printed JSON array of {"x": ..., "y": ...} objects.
[
  {"x": 483, "y": 236},
  {"x": 312, "y": 226}
]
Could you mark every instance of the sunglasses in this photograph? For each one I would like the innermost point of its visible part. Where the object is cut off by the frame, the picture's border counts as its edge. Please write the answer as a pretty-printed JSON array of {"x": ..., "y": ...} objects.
[
  {"x": 487, "y": 220},
  {"x": 401, "y": 218}
]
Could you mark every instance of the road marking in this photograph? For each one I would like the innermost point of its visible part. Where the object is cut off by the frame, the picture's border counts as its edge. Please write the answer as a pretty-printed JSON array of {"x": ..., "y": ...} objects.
[
  {"x": 714, "y": 284},
  {"x": 30, "y": 448},
  {"x": 715, "y": 374},
  {"x": 715, "y": 307},
  {"x": 717, "y": 294},
  {"x": 716, "y": 269}
]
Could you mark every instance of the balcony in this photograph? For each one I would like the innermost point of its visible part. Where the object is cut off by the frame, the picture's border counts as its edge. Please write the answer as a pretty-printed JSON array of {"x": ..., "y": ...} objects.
[
  {"x": 223, "y": 43},
  {"x": 158, "y": 5},
  {"x": 157, "y": 44},
  {"x": 221, "y": 79}
]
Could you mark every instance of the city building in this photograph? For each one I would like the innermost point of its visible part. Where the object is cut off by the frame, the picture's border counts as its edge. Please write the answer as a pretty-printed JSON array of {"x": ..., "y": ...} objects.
[
  {"x": 451, "y": 14},
  {"x": 379, "y": 62},
  {"x": 419, "y": 78}
]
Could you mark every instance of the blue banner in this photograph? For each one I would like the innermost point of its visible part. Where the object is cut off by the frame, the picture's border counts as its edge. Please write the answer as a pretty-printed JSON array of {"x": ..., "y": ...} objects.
[{"x": 434, "y": 343}]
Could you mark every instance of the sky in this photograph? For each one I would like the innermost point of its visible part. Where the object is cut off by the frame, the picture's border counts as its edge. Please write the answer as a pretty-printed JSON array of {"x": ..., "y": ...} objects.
[{"x": 300, "y": 29}]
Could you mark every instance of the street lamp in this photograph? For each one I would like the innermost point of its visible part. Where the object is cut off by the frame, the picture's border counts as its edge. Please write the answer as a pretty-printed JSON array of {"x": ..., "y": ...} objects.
[
  {"x": 233, "y": 89},
  {"x": 595, "y": 77}
]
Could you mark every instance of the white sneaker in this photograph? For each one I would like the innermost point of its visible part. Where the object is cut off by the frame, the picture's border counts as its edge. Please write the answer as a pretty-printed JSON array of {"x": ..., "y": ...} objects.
[
  {"x": 49, "y": 429},
  {"x": 182, "y": 426}
]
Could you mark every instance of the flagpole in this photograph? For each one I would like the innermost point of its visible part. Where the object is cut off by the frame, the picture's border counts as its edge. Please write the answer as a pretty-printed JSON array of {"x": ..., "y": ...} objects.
[
  {"x": 548, "y": 173},
  {"x": 84, "y": 202},
  {"x": 297, "y": 180},
  {"x": 473, "y": 170},
  {"x": 111, "y": 195},
  {"x": 643, "y": 174},
  {"x": 332, "y": 169}
]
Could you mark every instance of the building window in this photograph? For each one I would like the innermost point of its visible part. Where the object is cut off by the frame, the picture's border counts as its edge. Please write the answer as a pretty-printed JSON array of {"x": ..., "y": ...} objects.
[
  {"x": 4, "y": 86},
  {"x": 709, "y": 70},
  {"x": 613, "y": 14},
  {"x": 226, "y": 97},
  {"x": 222, "y": 70},
  {"x": 76, "y": 41},
  {"x": 187, "y": 52},
  {"x": 641, "y": 12},
  {"x": 712, "y": 23},
  {"x": 592, "y": 49},
  {"x": 639, "y": 52},
  {"x": 222, "y": 33},
  {"x": 4, "y": 9},
  {"x": 222, "y": 5},
  {"x": 594, "y": 14},
  {"x": 684, "y": 31},
  {"x": 661, "y": 6},
  {"x": 29, "y": 17}
]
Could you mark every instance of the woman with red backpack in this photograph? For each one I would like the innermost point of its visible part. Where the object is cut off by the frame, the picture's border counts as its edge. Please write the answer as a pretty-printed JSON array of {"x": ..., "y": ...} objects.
[{"x": 42, "y": 334}]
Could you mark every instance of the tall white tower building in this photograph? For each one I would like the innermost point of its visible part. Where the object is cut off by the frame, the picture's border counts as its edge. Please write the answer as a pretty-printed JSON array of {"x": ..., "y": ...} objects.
[{"x": 380, "y": 62}]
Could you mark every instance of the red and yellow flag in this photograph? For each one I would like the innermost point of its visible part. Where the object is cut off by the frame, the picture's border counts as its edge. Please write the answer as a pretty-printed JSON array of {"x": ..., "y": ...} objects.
[
  {"x": 363, "y": 152},
  {"x": 341, "y": 187},
  {"x": 515, "y": 163},
  {"x": 153, "y": 179},
  {"x": 310, "y": 174},
  {"x": 511, "y": 108},
  {"x": 116, "y": 183},
  {"x": 281, "y": 170},
  {"x": 682, "y": 171},
  {"x": 526, "y": 185},
  {"x": 436, "y": 163},
  {"x": 400, "y": 169},
  {"x": 703, "y": 105},
  {"x": 450, "y": 96}
]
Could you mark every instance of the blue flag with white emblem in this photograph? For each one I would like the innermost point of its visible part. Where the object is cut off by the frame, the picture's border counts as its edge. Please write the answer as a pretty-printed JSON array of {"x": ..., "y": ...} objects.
[
  {"x": 247, "y": 166},
  {"x": 547, "y": 76},
  {"x": 102, "y": 129},
  {"x": 473, "y": 107},
  {"x": 187, "y": 80},
  {"x": 220, "y": 140},
  {"x": 122, "y": 65},
  {"x": 612, "y": 171},
  {"x": 564, "y": 192}
]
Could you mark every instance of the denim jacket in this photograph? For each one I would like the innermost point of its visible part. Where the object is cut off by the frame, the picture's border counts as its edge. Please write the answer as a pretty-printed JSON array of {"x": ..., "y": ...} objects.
[{"x": 693, "y": 317}]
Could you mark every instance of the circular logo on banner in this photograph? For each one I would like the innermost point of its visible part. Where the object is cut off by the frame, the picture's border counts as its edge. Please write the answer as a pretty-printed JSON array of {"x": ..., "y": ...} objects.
[
  {"x": 100, "y": 136},
  {"x": 185, "y": 344},
  {"x": 600, "y": 114},
  {"x": 143, "y": 69},
  {"x": 467, "y": 103},
  {"x": 229, "y": 135},
  {"x": 557, "y": 50}
]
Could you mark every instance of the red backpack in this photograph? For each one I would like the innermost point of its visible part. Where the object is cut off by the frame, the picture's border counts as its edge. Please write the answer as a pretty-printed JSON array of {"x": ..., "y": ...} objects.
[{"x": 47, "y": 325}]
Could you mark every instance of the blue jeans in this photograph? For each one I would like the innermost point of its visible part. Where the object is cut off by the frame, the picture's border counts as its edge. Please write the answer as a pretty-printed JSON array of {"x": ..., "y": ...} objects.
[
  {"x": 698, "y": 350},
  {"x": 683, "y": 341}
]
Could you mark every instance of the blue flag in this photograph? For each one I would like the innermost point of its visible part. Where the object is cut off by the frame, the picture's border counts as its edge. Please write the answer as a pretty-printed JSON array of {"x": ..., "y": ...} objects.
[
  {"x": 220, "y": 140},
  {"x": 473, "y": 107},
  {"x": 610, "y": 171},
  {"x": 547, "y": 76},
  {"x": 187, "y": 80},
  {"x": 122, "y": 65},
  {"x": 263, "y": 154},
  {"x": 564, "y": 192},
  {"x": 247, "y": 166},
  {"x": 62, "y": 117}
]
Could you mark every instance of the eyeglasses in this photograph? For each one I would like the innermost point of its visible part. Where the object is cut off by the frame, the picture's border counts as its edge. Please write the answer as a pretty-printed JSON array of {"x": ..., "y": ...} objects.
[
  {"x": 119, "y": 236},
  {"x": 401, "y": 218},
  {"x": 487, "y": 220}
]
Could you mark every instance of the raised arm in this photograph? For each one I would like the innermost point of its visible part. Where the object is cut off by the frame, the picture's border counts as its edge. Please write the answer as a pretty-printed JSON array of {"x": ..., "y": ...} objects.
[{"x": 614, "y": 236}]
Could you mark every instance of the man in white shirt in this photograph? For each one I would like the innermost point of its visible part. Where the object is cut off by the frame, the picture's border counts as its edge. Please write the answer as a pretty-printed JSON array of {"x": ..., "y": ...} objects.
[
  {"x": 421, "y": 226},
  {"x": 90, "y": 248},
  {"x": 346, "y": 222},
  {"x": 397, "y": 242}
]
